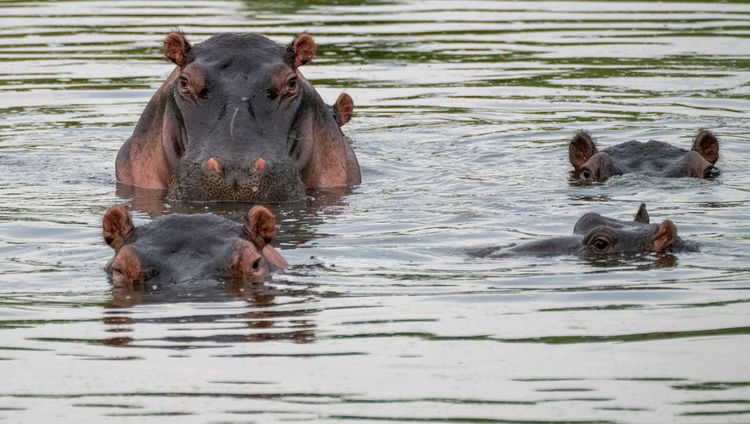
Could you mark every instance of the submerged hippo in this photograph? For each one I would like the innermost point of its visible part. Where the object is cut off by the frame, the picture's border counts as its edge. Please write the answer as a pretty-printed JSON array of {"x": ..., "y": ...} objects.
[
  {"x": 181, "y": 248},
  {"x": 653, "y": 158},
  {"x": 237, "y": 121},
  {"x": 595, "y": 234}
]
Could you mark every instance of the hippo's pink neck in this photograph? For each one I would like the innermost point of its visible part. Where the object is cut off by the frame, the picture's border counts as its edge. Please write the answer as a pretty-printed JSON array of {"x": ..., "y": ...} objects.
[{"x": 141, "y": 160}]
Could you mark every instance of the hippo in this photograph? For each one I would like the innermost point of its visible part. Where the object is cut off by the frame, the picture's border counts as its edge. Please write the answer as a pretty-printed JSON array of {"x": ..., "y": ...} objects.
[
  {"x": 182, "y": 248},
  {"x": 597, "y": 235},
  {"x": 652, "y": 158},
  {"x": 237, "y": 121}
]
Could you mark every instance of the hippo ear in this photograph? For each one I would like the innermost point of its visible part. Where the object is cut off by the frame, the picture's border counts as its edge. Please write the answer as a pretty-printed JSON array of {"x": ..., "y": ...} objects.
[
  {"x": 260, "y": 226},
  {"x": 642, "y": 214},
  {"x": 116, "y": 224},
  {"x": 663, "y": 237},
  {"x": 176, "y": 48},
  {"x": 343, "y": 109},
  {"x": 707, "y": 145},
  {"x": 302, "y": 48},
  {"x": 580, "y": 149}
]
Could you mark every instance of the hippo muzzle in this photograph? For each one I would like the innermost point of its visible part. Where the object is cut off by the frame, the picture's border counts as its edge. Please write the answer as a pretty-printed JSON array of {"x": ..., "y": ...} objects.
[{"x": 217, "y": 180}]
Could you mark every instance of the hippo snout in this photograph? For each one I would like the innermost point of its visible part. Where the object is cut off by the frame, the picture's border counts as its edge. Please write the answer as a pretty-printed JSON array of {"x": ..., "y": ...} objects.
[{"x": 222, "y": 179}]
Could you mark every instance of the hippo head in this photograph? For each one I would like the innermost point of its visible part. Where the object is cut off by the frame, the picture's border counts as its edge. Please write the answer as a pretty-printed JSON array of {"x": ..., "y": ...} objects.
[
  {"x": 653, "y": 157},
  {"x": 599, "y": 235},
  {"x": 181, "y": 248},
  {"x": 596, "y": 235},
  {"x": 241, "y": 123}
]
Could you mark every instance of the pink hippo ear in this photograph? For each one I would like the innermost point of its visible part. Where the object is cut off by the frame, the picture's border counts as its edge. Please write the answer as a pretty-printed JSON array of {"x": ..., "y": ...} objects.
[
  {"x": 343, "y": 109},
  {"x": 116, "y": 224},
  {"x": 580, "y": 149},
  {"x": 642, "y": 214},
  {"x": 663, "y": 237},
  {"x": 260, "y": 226},
  {"x": 261, "y": 229},
  {"x": 176, "y": 48},
  {"x": 707, "y": 145},
  {"x": 302, "y": 48}
]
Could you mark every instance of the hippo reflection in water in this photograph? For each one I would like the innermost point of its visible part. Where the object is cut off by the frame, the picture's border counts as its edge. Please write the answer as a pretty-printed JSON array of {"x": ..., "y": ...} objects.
[
  {"x": 182, "y": 248},
  {"x": 237, "y": 121},
  {"x": 595, "y": 235},
  {"x": 652, "y": 158}
]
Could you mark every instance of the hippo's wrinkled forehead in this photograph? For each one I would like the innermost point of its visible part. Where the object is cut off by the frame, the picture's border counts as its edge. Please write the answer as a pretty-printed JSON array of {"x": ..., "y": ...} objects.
[
  {"x": 592, "y": 220},
  {"x": 176, "y": 246},
  {"x": 226, "y": 49},
  {"x": 196, "y": 233}
]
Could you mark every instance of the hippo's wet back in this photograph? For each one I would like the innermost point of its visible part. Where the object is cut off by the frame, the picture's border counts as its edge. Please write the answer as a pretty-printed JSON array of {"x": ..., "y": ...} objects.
[{"x": 236, "y": 121}]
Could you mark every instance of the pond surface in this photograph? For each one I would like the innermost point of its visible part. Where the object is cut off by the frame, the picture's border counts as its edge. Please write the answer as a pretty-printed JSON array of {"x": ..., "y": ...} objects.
[{"x": 462, "y": 115}]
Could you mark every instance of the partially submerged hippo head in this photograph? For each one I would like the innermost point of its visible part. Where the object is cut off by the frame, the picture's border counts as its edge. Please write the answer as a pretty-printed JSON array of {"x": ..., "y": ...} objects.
[
  {"x": 653, "y": 158},
  {"x": 595, "y": 234},
  {"x": 237, "y": 121},
  {"x": 180, "y": 248}
]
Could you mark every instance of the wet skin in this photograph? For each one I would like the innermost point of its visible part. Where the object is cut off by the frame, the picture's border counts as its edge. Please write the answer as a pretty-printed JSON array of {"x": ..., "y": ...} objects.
[
  {"x": 596, "y": 235},
  {"x": 651, "y": 158},
  {"x": 237, "y": 121},
  {"x": 187, "y": 248}
]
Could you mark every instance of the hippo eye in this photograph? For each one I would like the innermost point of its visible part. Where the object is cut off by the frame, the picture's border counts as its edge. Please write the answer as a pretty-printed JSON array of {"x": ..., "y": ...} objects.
[
  {"x": 600, "y": 243},
  {"x": 183, "y": 85},
  {"x": 117, "y": 275},
  {"x": 586, "y": 174},
  {"x": 292, "y": 84}
]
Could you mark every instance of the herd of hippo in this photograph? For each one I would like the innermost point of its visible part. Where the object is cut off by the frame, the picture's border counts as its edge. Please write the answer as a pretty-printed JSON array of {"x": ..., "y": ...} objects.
[{"x": 237, "y": 121}]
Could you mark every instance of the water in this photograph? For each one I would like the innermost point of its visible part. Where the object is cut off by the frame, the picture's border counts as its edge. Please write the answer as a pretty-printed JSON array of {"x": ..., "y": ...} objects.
[{"x": 462, "y": 115}]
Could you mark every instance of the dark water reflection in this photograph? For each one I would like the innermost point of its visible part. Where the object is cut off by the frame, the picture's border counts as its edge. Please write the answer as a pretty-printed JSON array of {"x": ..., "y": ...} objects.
[
  {"x": 462, "y": 115},
  {"x": 271, "y": 313}
]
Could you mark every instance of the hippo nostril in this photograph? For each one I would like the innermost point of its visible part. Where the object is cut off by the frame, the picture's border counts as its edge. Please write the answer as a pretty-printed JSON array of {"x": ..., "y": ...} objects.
[
  {"x": 260, "y": 164},
  {"x": 711, "y": 172},
  {"x": 212, "y": 164}
]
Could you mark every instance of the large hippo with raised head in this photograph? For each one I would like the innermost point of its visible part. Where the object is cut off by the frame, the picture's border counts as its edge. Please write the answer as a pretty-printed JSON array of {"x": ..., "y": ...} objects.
[
  {"x": 652, "y": 158},
  {"x": 180, "y": 248},
  {"x": 596, "y": 235},
  {"x": 237, "y": 121}
]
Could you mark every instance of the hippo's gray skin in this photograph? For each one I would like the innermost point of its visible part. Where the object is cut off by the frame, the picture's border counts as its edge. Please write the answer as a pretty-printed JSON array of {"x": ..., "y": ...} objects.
[
  {"x": 595, "y": 235},
  {"x": 183, "y": 248},
  {"x": 237, "y": 121},
  {"x": 652, "y": 158}
]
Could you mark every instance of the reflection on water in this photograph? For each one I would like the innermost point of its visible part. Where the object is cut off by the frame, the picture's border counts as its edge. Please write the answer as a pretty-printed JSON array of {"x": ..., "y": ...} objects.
[
  {"x": 261, "y": 318},
  {"x": 463, "y": 112}
]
